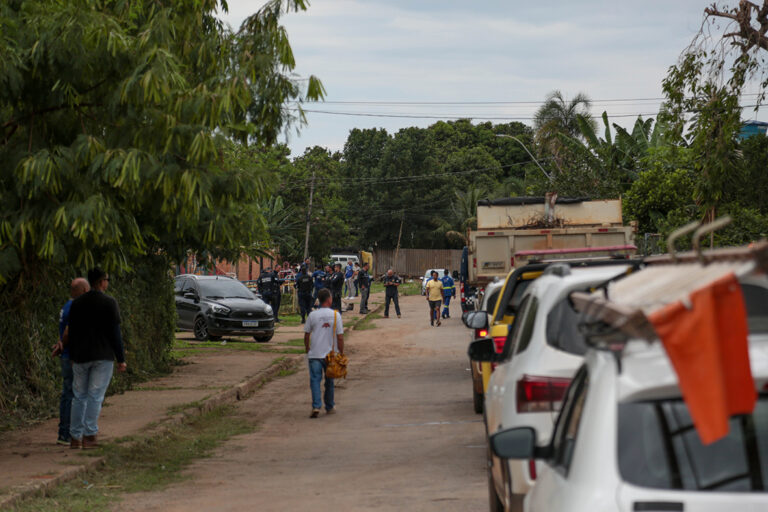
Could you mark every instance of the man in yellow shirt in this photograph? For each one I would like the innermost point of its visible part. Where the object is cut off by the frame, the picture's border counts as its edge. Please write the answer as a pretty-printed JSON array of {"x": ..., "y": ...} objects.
[{"x": 435, "y": 296}]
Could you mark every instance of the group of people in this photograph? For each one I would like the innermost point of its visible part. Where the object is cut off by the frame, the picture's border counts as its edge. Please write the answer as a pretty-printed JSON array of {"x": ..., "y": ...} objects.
[
  {"x": 89, "y": 343},
  {"x": 333, "y": 279}
]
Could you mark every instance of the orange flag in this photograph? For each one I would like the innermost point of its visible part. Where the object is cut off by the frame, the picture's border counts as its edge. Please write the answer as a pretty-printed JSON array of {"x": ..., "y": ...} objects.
[{"x": 707, "y": 345}]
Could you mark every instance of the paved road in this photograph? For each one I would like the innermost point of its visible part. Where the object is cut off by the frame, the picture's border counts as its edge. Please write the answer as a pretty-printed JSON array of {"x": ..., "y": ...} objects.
[{"x": 405, "y": 436}]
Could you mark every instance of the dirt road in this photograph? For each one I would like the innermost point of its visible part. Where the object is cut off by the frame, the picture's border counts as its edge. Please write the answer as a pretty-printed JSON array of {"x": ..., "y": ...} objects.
[{"x": 404, "y": 438}]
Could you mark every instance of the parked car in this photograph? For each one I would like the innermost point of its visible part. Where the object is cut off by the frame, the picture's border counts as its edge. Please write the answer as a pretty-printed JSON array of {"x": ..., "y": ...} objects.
[
  {"x": 488, "y": 302},
  {"x": 542, "y": 352},
  {"x": 624, "y": 440},
  {"x": 428, "y": 276},
  {"x": 216, "y": 306}
]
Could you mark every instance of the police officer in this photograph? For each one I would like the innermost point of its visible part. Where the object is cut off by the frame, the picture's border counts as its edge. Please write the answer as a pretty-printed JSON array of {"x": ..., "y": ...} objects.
[
  {"x": 364, "y": 284},
  {"x": 318, "y": 276},
  {"x": 449, "y": 290},
  {"x": 336, "y": 285},
  {"x": 277, "y": 293},
  {"x": 391, "y": 284},
  {"x": 264, "y": 284},
  {"x": 304, "y": 286}
]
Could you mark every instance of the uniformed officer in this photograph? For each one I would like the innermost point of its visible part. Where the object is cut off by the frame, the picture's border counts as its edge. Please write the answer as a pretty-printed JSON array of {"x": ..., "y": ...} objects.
[
  {"x": 449, "y": 288},
  {"x": 319, "y": 278},
  {"x": 337, "y": 286},
  {"x": 304, "y": 285},
  {"x": 364, "y": 284},
  {"x": 264, "y": 284},
  {"x": 277, "y": 293},
  {"x": 391, "y": 284}
]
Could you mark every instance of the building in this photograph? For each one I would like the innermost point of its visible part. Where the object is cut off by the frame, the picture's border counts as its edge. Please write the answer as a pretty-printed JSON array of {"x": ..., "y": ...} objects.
[{"x": 752, "y": 128}]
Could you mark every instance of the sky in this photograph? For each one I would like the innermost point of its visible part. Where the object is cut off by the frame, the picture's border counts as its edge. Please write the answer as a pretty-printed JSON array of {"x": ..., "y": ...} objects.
[{"x": 423, "y": 52}]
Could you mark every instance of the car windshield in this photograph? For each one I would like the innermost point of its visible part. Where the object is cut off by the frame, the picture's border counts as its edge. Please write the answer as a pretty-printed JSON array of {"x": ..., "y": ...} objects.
[
  {"x": 224, "y": 288},
  {"x": 658, "y": 447}
]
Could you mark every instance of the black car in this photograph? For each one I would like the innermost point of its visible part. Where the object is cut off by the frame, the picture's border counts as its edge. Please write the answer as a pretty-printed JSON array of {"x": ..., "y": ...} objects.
[{"x": 215, "y": 306}]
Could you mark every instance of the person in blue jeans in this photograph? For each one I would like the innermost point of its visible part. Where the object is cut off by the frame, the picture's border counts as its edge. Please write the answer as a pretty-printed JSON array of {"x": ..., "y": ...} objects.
[
  {"x": 77, "y": 287},
  {"x": 94, "y": 342},
  {"x": 323, "y": 332}
]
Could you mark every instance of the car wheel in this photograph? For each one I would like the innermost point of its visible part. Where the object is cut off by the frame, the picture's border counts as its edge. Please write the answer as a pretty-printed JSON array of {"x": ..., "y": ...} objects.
[
  {"x": 264, "y": 338},
  {"x": 477, "y": 398},
  {"x": 200, "y": 329}
]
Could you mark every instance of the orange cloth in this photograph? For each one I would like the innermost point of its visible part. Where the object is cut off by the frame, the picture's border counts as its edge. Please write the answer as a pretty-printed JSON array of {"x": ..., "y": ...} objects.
[{"x": 708, "y": 348}]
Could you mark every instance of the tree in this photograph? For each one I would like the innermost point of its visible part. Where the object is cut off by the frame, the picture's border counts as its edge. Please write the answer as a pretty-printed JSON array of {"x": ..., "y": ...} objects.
[
  {"x": 115, "y": 127},
  {"x": 556, "y": 117}
]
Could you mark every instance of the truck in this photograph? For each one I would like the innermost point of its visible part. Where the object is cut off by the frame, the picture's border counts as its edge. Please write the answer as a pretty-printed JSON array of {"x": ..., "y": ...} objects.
[{"x": 514, "y": 231}]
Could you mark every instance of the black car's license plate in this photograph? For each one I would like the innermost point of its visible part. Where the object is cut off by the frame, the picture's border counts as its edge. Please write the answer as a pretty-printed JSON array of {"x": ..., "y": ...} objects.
[{"x": 250, "y": 323}]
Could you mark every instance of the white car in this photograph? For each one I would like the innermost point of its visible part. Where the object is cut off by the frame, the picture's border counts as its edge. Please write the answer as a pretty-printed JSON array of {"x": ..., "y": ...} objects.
[
  {"x": 428, "y": 276},
  {"x": 543, "y": 351},
  {"x": 624, "y": 440}
]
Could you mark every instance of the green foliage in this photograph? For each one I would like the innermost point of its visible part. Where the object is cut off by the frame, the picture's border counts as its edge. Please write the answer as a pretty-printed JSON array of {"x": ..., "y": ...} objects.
[{"x": 30, "y": 378}]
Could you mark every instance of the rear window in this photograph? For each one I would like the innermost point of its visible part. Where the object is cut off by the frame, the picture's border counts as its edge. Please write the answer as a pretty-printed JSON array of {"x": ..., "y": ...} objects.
[
  {"x": 756, "y": 299},
  {"x": 563, "y": 330},
  {"x": 658, "y": 447},
  {"x": 491, "y": 300},
  {"x": 513, "y": 306}
]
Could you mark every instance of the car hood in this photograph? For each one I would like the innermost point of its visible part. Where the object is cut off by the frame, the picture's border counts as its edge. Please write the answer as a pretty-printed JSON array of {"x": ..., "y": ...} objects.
[{"x": 254, "y": 304}]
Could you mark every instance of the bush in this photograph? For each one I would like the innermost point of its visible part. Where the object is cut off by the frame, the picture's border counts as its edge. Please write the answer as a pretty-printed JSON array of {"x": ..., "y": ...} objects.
[{"x": 30, "y": 379}]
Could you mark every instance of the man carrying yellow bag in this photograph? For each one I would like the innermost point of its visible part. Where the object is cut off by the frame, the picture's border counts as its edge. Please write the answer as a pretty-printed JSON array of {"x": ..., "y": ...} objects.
[{"x": 323, "y": 333}]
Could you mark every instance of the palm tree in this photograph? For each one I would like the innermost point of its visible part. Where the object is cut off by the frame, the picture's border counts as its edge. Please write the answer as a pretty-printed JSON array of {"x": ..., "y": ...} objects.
[
  {"x": 558, "y": 116},
  {"x": 463, "y": 216}
]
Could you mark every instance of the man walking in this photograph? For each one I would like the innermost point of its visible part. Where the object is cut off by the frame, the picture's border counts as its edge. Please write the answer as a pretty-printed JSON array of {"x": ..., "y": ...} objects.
[
  {"x": 435, "y": 295},
  {"x": 364, "y": 283},
  {"x": 337, "y": 286},
  {"x": 391, "y": 284},
  {"x": 77, "y": 287},
  {"x": 94, "y": 342},
  {"x": 322, "y": 330},
  {"x": 304, "y": 286},
  {"x": 349, "y": 280},
  {"x": 449, "y": 290}
]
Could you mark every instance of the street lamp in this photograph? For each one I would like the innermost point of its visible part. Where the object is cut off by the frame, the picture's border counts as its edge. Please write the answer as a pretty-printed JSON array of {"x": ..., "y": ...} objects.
[{"x": 529, "y": 153}]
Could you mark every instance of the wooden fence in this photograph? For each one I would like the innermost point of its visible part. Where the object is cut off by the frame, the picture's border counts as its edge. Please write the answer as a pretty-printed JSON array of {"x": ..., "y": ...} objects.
[{"x": 414, "y": 262}]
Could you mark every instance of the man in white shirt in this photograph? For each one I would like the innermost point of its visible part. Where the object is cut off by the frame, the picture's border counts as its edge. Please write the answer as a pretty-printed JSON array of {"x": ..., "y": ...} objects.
[{"x": 322, "y": 331}]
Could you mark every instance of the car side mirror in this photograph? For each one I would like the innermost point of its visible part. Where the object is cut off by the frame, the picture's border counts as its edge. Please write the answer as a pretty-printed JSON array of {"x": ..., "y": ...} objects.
[
  {"x": 483, "y": 351},
  {"x": 477, "y": 320},
  {"x": 516, "y": 443},
  {"x": 190, "y": 295},
  {"x": 464, "y": 316}
]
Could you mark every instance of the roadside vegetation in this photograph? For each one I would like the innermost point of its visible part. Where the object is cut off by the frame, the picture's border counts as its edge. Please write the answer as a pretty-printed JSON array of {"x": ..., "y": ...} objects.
[{"x": 142, "y": 464}]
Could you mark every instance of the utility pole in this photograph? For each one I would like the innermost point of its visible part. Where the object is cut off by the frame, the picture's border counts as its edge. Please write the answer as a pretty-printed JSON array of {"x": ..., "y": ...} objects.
[
  {"x": 309, "y": 216},
  {"x": 399, "y": 235}
]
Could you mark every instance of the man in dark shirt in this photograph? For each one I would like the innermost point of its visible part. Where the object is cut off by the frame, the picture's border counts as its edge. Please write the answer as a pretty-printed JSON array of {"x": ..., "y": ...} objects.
[
  {"x": 277, "y": 293},
  {"x": 319, "y": 277},
  {"x": 304, "y": 286},
  {"x": 391, "y": 283},
  {"x": 77, "y": 287},
  {"x": 337, "y": 286},
  {"x": 364, "y": 284},
  {"x": 94, "y": 342}
]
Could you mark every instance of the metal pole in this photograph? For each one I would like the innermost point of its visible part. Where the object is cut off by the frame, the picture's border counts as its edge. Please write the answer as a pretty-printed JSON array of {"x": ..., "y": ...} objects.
[
  {"x": 309, "y": 216},
  {"x": 526, "y": 150}
]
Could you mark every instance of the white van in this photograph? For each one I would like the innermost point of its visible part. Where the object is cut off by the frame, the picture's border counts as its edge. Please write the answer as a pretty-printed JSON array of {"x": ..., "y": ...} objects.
[{"x": 344, "y": 258}]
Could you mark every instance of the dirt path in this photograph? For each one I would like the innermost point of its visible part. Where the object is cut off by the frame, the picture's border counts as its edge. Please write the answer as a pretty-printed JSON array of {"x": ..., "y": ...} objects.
[{"x": 405, "y": 437}]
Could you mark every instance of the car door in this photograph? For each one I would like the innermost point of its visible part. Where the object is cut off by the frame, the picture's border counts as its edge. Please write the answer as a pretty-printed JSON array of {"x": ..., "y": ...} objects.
[
  {"x": 554, "y": 490},
  {"x": 187, "y": 307}
]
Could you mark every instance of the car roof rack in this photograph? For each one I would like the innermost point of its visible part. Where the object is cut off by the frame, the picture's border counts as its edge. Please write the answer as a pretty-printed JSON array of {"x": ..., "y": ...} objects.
[{"x": 624, "y": 304}]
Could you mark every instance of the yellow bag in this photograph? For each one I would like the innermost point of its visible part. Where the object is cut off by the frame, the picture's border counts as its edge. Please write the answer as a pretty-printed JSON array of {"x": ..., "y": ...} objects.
[{"x": 336, "y": 363}]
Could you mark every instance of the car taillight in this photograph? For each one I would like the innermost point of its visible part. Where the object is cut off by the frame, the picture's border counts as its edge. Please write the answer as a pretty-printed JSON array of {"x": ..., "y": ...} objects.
[
  {"x": 512, "y": 262},
  {"x": 532, "y": 468},
  {"x": 499, "y": 341},
  {"x": 463, "y": 298},
  {"x": 481, "y": 333},
  {"x": 540, "y": 394}
]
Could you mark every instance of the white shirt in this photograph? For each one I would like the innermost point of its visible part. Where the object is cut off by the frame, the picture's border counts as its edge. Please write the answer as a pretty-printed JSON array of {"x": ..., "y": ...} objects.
[{"x": 319, "y": 325}]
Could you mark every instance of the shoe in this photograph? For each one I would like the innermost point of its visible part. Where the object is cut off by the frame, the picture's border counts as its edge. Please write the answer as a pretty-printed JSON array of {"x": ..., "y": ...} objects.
[
  {"x": 432, "y": 323},
  {"x": 398, "y": 316},
  {"x": 75, "y": 444},
  {"x": 438, "y": 323},
  {"x": 63, "y": 442},
  {"x": 90, "y": 442},
  {"x": 386, "y": 316},
  {"x": 331, "y": 411},
  {"x": 277, "y": 320},
  {"x": 315, "y": 413}
]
